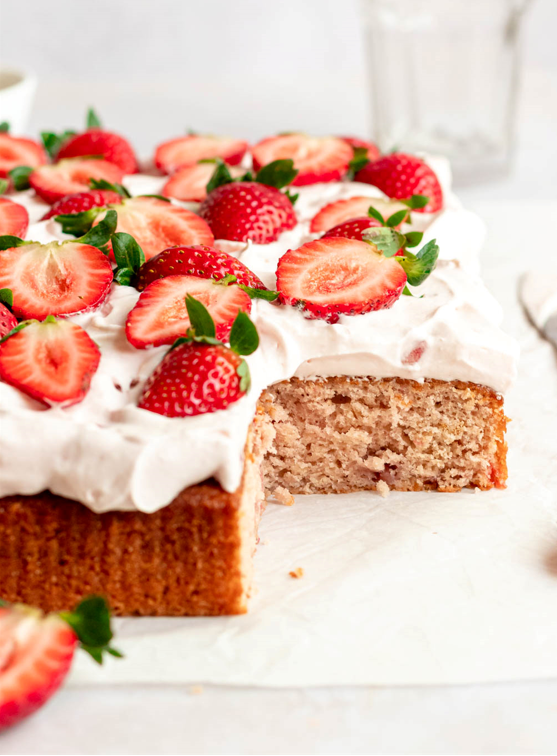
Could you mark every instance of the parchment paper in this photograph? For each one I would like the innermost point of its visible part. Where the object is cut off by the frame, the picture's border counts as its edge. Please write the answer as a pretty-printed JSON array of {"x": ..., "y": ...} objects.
[{"x": 417, "y": 588}]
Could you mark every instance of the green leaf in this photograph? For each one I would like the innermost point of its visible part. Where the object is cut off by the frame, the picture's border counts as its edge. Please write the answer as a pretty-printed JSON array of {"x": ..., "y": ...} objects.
[
  {"x": 279, "y": 173},
  {"x": 413, "y": 238},
  {"x": 124, "y": 276},
  {"x": 244, "y": 338},
  {"x": 100, "y": 235},
  {"x": 245, "y": 378},
  {"x": 407, "y": 293},
  {"x": 359, "y": 161},
  {"x": 419, "y": 267},
  {"x": 248, "y": 176},
  {"x": 4, "y": 127},
  {"x": 78, "y": 224},
  {"x": 3, "y": 186},
  {"x": 7, "y": 242},
  {"x": 90, "y": 621},
  {"x": 202, "y": 324},
  {"x": 20, "y": 177},
  {"x": 104, "y": 184},
  {"x": 416, "y": 201},
  {"x": 266, "y": 294},
  {"x": 292, "y": 197},
  {"x": 387, "y": 240},
  {"x": 373, "y": 213},
  {"x": 93, "y": 121},
  {"x": 127, "y": 252},
  {"x": 156, "y": 196},
  {"x": 19, "y": 327},
  {"x": 396, "y": 218},
  {"x": 7, "y": 297},
  {"x": 52, "y": 141},
  {"x": 221, "y": 175}
]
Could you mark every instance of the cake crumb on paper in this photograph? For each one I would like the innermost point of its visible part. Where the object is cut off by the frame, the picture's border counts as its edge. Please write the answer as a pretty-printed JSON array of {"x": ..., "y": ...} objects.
[
  {"x": 196, "y": 690},
  {"x": 297, "y": 573},
  {"x": 383, "y": 489},
  {"x": 283, "y": 496}
]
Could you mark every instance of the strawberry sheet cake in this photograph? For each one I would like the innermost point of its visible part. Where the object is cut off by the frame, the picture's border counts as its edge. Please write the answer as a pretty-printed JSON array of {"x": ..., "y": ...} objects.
[{"x": 233, "y": 323}]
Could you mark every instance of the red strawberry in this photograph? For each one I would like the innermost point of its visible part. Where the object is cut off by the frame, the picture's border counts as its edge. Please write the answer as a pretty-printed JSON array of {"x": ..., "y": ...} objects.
[
  {"x": 400, "y": 176},
  {"x": 352, "y": 229},
  {"x": 189, "y": 184},
  {"x": 156, "y": 224},
  {"x": 111, "y": 147},
  {"x": 54, "y": 278},
  {"x": 14, "y": 219},
  {"x": 83, "y": 201},
  {"x": 204, "y": 262},
  {"x": 36, "y": 652},
  {"x": 355, "y": 207},
  {"x": 189, "y": 150},
  {"x": 52, "y": 182},
  {"x": 52, "y": 361},
  {"x": 160, "y": 315},
  {"x": 194, "y": 379},
  {"x": 316, "y": 158},
  {"x": 330, "y": 277},
  {"x": 362, "y": 144},
  {"x": 246, "y": 210},
  {"x": 16, "y": 151},
  {"x": 7, "y": 320}
]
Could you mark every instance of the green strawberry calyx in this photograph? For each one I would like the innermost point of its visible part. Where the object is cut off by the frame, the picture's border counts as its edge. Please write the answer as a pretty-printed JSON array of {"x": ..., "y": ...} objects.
[{"x": 243, "y": 339}]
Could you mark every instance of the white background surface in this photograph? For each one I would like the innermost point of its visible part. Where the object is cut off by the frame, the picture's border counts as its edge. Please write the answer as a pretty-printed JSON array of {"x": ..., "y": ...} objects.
[{"x": 152, "y": 68}]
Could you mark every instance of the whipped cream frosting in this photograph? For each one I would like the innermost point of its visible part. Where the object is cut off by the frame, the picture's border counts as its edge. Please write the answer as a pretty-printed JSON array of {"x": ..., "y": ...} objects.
[{"x": 110, "y": 455}]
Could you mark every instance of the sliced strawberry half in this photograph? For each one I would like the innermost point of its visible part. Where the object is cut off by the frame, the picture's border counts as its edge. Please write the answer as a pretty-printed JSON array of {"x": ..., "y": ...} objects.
[
  {"x": 36, "y": 652},
  {"x": 400, "y": 176},
  {"x": 330, "y": 277},
  {"x": 17, "y": 151},
  {"x": 201, "y": 261},
  {"x": 109, "y": 146},
  {"x": 317, "y": 159},
  {"x": 7, "y": 320},
  {"x": 83, "y": 201},
  {"x": 246, "y": 210},
  {"x": 189, "y": 150},
  {"x": 14, "y": 219},
  {"x": 356, "y": 143},
  {"x": 160, "y": 315},
  {"x": 156, "y": 224},
  {"x": 55, "y": 278},
  {"x": 35, "y": 656},
  {"x": 355, "y": 207},
  {"x": 52, "y": 182},
  {"x": 189, "y": 184},
  {"x": 52, "y": 361}
]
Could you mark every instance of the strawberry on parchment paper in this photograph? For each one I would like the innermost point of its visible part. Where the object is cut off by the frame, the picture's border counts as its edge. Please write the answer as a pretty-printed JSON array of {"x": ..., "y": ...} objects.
[{"x": 37, "y": 650}]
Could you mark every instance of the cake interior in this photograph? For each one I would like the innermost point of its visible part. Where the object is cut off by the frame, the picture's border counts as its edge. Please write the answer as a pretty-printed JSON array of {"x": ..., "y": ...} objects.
[{"x": 338, "y": 435}]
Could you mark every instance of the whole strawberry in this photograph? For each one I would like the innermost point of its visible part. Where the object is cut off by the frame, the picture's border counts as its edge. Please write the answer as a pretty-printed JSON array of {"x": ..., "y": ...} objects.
[
  {"x": 199, "y": 374},
  {"x": 248, "y": 211},
  {"x": 96, "y": 141},
  {"x": 36, "y": 652},
  {"x": 352, "y": 229},
  {"x": 7, "y": 320},
  {"x": 80, "y": 202},
  {"x": 198, "y": 260},
  {"x": 252, "y": 208},
  {"x": 400, "y": 176}
]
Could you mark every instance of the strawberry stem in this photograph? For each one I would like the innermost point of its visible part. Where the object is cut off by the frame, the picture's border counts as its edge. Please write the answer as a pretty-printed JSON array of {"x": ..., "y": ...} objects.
[{"x": 90, "y": 621}]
